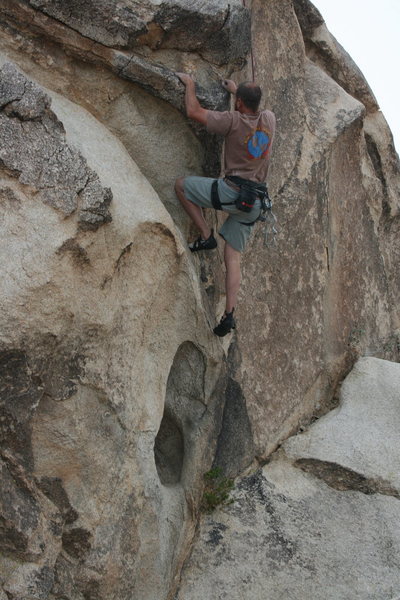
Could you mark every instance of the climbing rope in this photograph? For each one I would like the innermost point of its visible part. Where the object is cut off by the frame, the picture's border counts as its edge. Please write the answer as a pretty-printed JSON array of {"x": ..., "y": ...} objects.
[{"x": 251, "y": 49}]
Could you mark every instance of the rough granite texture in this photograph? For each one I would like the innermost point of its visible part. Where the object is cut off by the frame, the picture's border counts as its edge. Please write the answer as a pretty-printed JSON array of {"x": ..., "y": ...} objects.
[
  {"x": 115, "y": 397},
  {"x": 92, "y": 496},
  {"x": 296, "y": 531},
  {"x": 325, "y": 293},
  {"x": 361, "y": 434},
  {"x": 33, "y": 146}
]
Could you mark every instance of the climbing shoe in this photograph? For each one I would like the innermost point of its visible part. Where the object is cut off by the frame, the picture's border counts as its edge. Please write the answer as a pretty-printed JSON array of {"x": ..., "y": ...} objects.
[
  {"x": 226, "y": 324},
  {"x": 200, "y": 244}
]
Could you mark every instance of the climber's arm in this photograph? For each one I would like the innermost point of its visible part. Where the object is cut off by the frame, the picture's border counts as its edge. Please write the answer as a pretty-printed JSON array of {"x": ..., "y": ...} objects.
[{"x": 193, "y": 108}]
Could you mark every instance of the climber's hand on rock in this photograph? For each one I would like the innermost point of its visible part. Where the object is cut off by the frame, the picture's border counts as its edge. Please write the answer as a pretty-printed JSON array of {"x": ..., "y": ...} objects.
[
  {"x": 229, "y": 85},
  {"x": 184, "y": 77}
]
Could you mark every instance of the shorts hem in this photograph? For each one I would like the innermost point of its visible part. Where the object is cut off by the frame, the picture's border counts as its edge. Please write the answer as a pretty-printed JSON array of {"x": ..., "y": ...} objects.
[{"x": 230, "y": 243}]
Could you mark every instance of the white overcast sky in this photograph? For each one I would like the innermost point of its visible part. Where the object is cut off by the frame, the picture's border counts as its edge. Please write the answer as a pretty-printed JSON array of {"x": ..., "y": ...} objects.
[{"x": 369, "y": 30}]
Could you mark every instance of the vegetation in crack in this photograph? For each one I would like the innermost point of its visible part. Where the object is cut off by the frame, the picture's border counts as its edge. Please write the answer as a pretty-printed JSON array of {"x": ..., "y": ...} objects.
[{"x": 217, "y": 490}]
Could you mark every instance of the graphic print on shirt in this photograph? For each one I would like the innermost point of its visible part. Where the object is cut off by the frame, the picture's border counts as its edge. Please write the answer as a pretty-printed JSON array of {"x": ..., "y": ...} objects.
[{"x": 258, "y": 143}]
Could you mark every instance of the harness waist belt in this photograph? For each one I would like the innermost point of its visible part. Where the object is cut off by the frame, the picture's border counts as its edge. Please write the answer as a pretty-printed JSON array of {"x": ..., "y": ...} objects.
[{"x": 254, "y": 185}]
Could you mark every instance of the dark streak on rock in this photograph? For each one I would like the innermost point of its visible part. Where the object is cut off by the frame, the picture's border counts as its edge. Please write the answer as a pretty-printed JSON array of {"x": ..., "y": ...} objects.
[
  {"x": 20, "y": 393},
  {"x": 78, "y": 254},
  {"x": 377, "y": 165},
  {"x": 279, "y": 547},
  {"x": 308, "y": 16},
  {"x": 19, "y": 509},
  {"x": 53, "y": 489},
  {"x": 343, "y": 479},
  {"x": 92, "y": 591},
  {"x": 124, "y": 252},
  {"x": 77, "y": 542},
  {"x": 235, "y": 447}
]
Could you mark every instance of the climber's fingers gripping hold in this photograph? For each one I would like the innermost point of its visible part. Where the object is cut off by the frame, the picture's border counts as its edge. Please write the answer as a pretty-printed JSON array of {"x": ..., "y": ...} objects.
[{"x": 184, "y": 77}]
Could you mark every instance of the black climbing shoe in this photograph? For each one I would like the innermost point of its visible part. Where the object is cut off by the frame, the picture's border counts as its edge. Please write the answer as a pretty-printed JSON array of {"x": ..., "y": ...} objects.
[
  {"x": 200, "y": 244},
  {"x": 226, "y": 324}
]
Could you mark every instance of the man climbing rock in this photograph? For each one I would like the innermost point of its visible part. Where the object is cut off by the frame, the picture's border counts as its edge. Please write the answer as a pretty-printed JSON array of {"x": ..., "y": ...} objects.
[{"x": 248, "y": 134}]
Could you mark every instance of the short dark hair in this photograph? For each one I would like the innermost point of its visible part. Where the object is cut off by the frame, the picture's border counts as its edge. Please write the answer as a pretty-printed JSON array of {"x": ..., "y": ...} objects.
[{"x": 250, "y": 94}]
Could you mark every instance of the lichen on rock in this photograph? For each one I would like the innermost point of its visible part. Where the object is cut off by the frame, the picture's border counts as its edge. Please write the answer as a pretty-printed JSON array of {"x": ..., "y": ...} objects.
[{"x": 33, "y": 147}]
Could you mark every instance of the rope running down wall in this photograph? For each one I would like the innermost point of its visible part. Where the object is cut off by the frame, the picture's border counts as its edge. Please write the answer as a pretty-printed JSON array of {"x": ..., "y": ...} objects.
[{"x": 251, "y": 50}]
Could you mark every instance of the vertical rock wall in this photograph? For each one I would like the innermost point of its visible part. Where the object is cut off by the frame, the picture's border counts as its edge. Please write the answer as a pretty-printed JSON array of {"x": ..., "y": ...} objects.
[
  {"x": 114, "y": 393},
  {"x": 325, "y": 293},
  {"x": 112, "y": 382},
  {"x": 95, "y": 371}
]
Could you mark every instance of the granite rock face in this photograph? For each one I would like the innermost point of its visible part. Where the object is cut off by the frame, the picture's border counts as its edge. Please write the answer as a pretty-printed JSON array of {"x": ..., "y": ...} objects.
[
  {"x": 315, "y": 522},
  {"x": 33, "y": 146},
  {"x": 219, "y": 30},
  {"x": 115, "y": 396},
  {"x": 325, "y": 293},
  {"x": 360, "y": 435},
  {"x": 105, "y": 431}
]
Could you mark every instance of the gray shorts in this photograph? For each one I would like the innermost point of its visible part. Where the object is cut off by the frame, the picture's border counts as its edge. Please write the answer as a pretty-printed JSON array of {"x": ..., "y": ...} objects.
[{"x": 235, "y": 230}]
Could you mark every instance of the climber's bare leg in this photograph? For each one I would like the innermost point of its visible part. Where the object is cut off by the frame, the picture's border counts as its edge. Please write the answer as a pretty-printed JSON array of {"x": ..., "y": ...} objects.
[
  {"x": 233, "y": 276},
  {"x": 195, "y": 212}
]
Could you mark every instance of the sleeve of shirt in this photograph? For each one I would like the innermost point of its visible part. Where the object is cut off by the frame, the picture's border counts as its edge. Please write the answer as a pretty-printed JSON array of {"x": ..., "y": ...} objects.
[{"x": 219, "y": 122}]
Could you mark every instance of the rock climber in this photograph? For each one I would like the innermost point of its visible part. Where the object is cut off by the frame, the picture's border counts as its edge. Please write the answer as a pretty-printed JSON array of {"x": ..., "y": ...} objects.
[{"x": 248, "y": 134}]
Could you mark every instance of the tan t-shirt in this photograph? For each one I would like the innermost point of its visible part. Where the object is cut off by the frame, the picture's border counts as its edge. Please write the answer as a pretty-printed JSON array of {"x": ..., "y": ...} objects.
[{"x": 248, "y": 141}]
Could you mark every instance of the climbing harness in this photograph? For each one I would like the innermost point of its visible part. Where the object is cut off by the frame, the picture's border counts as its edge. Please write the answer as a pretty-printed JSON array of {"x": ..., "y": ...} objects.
[
  {"x": 249, "y": 191},
  {"x": 252, "y": 190}
]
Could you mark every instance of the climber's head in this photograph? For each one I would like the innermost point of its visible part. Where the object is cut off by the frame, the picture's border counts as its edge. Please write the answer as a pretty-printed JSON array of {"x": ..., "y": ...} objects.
[{"x": 248, "y": 97}]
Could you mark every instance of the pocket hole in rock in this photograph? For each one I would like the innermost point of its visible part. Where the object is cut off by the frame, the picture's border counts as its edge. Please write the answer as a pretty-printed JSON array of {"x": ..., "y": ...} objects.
[{"x": 169, "y": 451}]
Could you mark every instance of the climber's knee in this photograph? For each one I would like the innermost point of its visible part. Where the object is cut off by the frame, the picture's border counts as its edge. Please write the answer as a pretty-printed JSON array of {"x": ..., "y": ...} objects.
[{"x": 179, "y": 189}]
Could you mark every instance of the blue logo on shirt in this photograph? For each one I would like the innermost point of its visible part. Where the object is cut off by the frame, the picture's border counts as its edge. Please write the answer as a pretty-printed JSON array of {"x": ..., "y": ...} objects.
[{"x": 258, "y": 144}]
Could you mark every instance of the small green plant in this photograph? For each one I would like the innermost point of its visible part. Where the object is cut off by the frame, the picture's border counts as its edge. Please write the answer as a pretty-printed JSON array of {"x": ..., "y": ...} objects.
[{"x": 217, "y": 490}]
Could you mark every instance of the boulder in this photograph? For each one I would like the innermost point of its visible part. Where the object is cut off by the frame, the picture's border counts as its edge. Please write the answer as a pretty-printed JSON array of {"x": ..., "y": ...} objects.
[
  {"x": 360, "y": 436},
  {"x": 106, "y": 434},
  {"x": 316, "y": 521}
]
